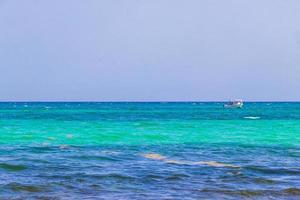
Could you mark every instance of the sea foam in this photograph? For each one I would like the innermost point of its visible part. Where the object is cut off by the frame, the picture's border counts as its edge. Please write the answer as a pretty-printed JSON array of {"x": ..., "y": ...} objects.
[{"x": 155, "y": 156}]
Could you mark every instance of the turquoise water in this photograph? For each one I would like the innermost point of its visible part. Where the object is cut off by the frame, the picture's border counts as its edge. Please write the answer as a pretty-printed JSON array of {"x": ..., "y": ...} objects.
[{"x": 149, "y": 151}]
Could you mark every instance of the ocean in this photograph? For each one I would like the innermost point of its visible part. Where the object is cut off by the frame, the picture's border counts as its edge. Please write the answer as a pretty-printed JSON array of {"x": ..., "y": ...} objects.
[{"x": 184, "y": 150}]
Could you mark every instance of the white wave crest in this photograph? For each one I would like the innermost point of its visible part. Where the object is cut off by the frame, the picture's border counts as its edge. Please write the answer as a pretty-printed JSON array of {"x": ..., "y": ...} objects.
[{"x": 251, "y": 117}]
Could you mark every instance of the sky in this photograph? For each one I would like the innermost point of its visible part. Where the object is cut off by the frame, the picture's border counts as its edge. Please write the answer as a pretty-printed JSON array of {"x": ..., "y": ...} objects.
[{"x": 149, "y": 50}]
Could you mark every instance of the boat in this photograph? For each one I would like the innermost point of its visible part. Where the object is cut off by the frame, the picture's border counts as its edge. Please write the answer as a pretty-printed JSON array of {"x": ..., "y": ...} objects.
[{"x": 238, "y": 103}]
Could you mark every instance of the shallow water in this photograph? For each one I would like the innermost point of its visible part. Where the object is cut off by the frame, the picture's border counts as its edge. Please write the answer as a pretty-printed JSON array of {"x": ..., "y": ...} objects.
[{"x": 149, "y": 151}]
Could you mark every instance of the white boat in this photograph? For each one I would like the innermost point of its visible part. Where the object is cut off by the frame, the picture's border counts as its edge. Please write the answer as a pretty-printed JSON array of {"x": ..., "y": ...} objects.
[{"x": 238, "y": 103}]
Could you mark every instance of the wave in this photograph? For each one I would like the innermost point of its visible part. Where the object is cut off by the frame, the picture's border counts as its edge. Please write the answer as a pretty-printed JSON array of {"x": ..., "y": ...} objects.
[
  {"x": 253, "y": 193},
  {"x": 26, "y": 188},
  {"x": 11, "y": 167},
  {"x": 282, "y": 171},
  {"x": 116, "y": 176},
  {"x": 251, "y": 117}
]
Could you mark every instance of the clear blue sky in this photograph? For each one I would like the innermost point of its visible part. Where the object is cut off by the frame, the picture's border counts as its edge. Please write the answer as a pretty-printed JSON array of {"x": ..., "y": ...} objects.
[{"x": 149, "y": 50}]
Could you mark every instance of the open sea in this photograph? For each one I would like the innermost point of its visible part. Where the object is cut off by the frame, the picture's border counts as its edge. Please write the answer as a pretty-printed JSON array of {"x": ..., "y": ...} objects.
[{"x": 189, "y": 150}]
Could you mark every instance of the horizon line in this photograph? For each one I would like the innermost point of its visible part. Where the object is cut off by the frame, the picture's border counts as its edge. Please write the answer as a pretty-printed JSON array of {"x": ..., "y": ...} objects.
[{"x": 137, "y": 101}]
